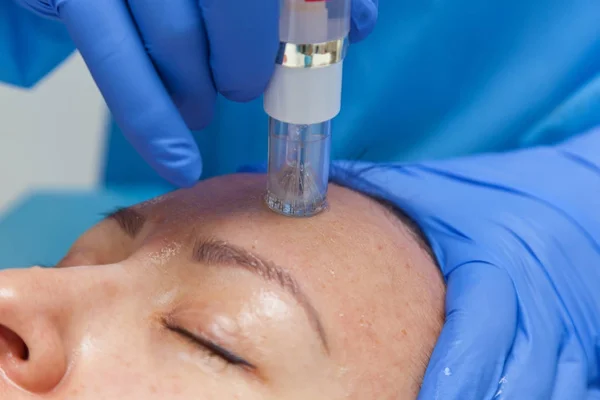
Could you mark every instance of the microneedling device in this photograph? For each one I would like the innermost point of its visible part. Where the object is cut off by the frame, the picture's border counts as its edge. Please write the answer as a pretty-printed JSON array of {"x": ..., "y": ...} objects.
[{"x": 303, "y": 97}]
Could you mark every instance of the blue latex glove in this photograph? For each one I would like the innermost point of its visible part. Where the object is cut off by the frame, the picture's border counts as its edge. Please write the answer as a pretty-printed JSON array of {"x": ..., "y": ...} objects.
[
  {"x": 517, "y": 237},
  {"x": 152, "y": 59}
]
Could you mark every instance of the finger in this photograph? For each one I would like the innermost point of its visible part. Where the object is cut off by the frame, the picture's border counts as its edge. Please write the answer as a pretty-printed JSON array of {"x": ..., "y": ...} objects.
[
  {"x": 364, "y": 18},
  {"x": 571, "y": 372},
  {"x": 244, "y": 39},
  {"x": 481, "y": 318},
  {"x": 109, "y": 43},
  {"x": 174, "y": 37},
  {"x": 531, "y": 367}
]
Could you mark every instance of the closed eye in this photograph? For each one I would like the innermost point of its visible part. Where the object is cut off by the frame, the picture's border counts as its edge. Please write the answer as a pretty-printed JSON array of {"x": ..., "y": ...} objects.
[{"x": 213, "y": 348}]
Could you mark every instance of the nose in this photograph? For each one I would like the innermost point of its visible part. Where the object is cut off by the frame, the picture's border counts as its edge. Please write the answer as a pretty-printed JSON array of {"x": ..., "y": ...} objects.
[{"x": 33, "y": 354}]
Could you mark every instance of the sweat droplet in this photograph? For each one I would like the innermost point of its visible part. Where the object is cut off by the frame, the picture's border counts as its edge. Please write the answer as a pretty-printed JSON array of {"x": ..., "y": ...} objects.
[{"x": 447, "y": 371}]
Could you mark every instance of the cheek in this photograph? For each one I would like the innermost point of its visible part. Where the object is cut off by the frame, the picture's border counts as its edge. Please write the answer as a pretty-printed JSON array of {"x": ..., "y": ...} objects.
[
  {"x": 147, "y": 364},
  {"x": 120, "y": 358},
  {"x": 129, "y": 375}
]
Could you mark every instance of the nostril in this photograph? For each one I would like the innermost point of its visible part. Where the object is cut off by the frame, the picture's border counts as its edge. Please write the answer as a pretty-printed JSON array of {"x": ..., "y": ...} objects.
[
  {"x": 35, "y": 363},
  {"x": 12, "y": 345}
]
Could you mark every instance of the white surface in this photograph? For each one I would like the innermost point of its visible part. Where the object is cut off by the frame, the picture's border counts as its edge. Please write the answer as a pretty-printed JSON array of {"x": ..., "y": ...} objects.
[
  {"x": 304, "y": 95},
  {"x": 52, "y": 135}
]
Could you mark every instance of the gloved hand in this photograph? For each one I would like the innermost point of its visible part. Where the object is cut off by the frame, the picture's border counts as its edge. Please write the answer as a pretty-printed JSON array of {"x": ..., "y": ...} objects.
[
  {"x": 152, "y": 59},
  {"x": 517, "y": 237}
]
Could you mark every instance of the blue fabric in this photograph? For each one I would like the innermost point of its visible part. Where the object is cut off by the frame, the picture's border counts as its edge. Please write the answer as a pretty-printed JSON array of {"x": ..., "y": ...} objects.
[
  {"x": 517, "y": 238},
  {"x": 30, "y": 46},
  {"x": 436, "y": 80}
]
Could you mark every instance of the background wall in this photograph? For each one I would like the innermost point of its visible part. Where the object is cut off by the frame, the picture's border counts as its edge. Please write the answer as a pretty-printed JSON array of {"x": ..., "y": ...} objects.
[{"x": 51, "y": 135}]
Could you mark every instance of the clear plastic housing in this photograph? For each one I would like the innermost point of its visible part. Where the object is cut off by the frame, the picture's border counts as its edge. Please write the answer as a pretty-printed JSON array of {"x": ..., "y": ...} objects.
[
  {"x": 314, "y": 21},
  {"x": 298, "y": 100},
  {"x": 298, "y": 170}
]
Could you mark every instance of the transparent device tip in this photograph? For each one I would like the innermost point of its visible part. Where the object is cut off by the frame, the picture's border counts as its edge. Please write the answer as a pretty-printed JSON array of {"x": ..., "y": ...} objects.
[{"x": 298, "y": 171}]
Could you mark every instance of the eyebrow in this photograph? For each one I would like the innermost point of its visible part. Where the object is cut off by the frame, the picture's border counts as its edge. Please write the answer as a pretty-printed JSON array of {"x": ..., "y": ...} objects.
[
  {"x": 215, "y": 252},
  {"x": 129, "y": 220}
]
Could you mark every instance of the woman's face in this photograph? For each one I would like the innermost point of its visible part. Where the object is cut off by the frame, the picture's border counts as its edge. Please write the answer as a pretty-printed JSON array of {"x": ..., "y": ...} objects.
[{"x": 205, "y": 294}]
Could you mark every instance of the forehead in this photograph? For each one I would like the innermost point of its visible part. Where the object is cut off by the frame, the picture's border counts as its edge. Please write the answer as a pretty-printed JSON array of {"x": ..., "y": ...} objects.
[
  {"x": 234, "y": 204},
  {"x": 332, "y": 247}
]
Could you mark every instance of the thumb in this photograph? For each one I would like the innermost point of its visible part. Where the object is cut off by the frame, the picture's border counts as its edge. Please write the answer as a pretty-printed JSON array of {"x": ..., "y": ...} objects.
[{"x": 481, "y": 319}]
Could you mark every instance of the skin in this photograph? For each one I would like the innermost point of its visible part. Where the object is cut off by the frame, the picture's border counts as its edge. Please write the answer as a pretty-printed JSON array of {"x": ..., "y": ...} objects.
[{"x": 104, "y": 325}]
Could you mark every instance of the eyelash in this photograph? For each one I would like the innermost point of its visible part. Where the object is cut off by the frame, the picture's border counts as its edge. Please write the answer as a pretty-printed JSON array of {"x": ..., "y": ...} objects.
[{"x": 210, "y": 347}]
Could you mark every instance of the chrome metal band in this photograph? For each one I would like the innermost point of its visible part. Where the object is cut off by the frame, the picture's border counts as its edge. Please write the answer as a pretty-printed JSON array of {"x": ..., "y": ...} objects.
[{"x": 312, "y": 55}]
